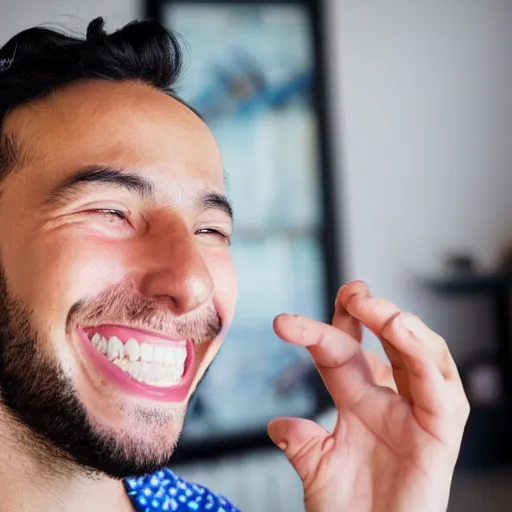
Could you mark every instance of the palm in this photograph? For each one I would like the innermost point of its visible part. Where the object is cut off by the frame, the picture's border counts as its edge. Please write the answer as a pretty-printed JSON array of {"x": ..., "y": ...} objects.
[
  {"x": 360, "y": 470},
  {"x": 395, "y": 443}
]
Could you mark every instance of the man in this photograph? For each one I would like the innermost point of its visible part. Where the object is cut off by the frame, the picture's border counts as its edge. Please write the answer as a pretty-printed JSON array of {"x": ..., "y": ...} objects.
[{"x": 117, "y": 289}]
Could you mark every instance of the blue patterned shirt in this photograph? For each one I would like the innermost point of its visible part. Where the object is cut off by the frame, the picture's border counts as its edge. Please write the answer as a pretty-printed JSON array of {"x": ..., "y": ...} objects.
[{"x": 165, "y": 491}]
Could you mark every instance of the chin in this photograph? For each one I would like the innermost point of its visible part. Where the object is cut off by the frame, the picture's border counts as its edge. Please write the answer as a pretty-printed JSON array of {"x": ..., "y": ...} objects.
[
  {"x": 134, "y": 436},
  {"x": 135, "y": 451}
]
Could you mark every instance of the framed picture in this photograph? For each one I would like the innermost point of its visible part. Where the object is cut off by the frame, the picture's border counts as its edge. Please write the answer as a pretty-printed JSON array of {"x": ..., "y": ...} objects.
[{"x": 254, "y": 71}]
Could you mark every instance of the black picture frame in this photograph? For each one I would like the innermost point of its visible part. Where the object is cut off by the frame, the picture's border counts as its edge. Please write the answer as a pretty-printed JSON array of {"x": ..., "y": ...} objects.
[{"x": 329, "y": 235}]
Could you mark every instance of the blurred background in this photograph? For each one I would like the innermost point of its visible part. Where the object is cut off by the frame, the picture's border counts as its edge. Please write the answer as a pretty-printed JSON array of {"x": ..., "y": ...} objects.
[{"x": 362, "y": 140}]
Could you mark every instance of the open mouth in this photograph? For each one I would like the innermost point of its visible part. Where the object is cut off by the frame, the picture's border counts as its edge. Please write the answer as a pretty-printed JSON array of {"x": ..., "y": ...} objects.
[{"x": 146, "y": 358}]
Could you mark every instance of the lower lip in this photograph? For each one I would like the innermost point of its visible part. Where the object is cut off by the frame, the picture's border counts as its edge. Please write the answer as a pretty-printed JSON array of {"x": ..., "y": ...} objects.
[{"x": 128, "y": 384}]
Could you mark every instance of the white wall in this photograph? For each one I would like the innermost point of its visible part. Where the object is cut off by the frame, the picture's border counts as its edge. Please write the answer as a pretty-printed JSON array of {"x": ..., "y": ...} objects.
[
  {"x": 424, "y": 119},
  {"x": 17, "y": 15}
]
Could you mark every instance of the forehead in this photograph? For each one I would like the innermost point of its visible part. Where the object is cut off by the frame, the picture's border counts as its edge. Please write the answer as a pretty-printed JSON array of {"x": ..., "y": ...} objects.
[{"x": 126, "y": 125}]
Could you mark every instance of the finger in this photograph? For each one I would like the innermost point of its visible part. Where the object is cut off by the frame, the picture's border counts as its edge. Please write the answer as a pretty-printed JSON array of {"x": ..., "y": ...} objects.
[
  {"x": 377, "y": 315},
  {"x": 427, "y": 386},
  {"x": 338, "y": 357},
  {"x": 396, "y": 378},
  {"x": 302, "y": 441},
  {"x": 344, "y": 369},
  {"x": 418, "y": 351},
  {"x": 382, "y": 373},
  {"x": 398, "y": 369},
  {"x": 344, "y": 321}
]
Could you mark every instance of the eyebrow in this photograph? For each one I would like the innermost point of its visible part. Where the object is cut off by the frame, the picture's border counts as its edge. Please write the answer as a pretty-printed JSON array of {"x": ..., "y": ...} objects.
[
  {"x": 214, "y": 201},
  {"x": 120, "y": 178},
  {"x": 132, "y": 182}
]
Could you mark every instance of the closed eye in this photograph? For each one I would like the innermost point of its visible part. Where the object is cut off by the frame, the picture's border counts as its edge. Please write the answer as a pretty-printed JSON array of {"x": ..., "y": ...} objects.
[
  {"x": 214, "y": 232},
  {"x": 111, "y": 222},
  {"x": 114, "y": 213},
  {"x": 113, "y": 216}
]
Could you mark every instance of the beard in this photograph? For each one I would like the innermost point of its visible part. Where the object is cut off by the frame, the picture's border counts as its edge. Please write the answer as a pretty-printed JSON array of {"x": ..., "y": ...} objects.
[{"x": 42, "y": 401}]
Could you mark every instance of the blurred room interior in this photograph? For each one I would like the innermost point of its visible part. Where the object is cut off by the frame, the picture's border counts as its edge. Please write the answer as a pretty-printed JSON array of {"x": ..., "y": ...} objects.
[{"x": 398, "y": 168}]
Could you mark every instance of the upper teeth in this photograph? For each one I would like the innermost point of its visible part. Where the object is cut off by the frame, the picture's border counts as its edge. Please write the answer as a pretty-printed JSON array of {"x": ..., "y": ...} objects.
[
  {"x": 132, "y": 349},
  {"x": 135, "y": 351},
  {"x": 115, "y": 348}
]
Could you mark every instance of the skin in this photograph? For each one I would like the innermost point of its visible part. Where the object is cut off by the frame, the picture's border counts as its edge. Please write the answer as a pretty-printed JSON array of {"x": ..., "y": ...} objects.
[{"x": 399, "y": 427}]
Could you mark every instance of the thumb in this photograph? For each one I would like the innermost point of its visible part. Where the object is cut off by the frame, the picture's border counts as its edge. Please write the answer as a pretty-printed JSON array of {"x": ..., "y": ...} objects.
[{"x": 301, "y": 441}]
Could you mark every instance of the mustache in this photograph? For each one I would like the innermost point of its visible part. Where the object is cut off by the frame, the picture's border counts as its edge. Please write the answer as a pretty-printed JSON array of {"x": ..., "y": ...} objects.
[{"x": 123, "y": 304}]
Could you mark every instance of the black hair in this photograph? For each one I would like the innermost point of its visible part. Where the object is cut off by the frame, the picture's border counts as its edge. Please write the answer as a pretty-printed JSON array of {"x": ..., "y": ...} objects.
[{"x": 38, "y": 61}]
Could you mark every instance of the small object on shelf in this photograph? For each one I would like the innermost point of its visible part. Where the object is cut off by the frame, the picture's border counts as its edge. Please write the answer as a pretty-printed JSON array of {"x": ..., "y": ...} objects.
[
  {"x": 483, "y": 385},
  {"x": 460, "y": 263}
]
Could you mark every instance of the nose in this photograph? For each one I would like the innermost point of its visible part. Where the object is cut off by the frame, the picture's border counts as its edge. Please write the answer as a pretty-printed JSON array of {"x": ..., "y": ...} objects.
[{"x": 173, "y": 270}]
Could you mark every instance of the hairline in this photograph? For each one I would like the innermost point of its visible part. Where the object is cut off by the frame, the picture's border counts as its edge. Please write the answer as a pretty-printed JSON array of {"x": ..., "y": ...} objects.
[{"x": 13, "y": 154}]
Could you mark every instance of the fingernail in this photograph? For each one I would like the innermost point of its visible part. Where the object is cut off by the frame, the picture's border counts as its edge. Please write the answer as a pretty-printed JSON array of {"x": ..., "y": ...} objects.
[{"x": 283, "y": 445}]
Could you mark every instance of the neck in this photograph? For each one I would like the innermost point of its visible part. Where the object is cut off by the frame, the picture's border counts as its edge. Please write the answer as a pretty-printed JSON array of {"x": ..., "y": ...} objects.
[{"x": 35, "y": 477}]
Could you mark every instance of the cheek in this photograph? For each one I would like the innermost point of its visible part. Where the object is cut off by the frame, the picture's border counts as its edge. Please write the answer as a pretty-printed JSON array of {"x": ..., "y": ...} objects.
[
  {"x": 225, "y": 281},
  {"x": 52, "y": 276}
]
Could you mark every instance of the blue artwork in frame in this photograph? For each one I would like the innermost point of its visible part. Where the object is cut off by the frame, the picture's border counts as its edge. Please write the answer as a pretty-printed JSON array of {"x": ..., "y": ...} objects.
[{"x": 251, "y": 71}]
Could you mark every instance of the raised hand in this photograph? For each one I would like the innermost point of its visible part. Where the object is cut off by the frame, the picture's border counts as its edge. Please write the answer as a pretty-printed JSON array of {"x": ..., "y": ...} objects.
[{"x": 399, "y": 427}]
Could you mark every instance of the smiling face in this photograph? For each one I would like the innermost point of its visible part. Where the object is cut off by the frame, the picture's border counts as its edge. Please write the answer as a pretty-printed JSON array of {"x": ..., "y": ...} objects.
[{"x": 116, "y": 280}]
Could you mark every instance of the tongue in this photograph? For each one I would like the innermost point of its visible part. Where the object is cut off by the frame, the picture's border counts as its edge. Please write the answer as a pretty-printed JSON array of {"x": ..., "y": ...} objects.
[{"x": 125, "y": 333}]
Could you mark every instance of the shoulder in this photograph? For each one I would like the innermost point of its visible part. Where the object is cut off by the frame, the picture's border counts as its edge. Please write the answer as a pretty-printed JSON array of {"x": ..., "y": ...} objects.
[{"x": 164, "y": 490}]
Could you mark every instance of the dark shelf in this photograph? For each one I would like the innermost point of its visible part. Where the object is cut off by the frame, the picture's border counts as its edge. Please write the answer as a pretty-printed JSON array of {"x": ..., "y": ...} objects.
[
  {"x": 496, "y": 286},
  {"x": 191, "y": 452},
  {"x": 470, "y": 282}
]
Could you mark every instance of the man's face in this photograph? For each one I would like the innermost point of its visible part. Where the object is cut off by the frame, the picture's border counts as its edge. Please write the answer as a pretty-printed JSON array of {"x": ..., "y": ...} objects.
[{"x": 116, "y": 282}]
